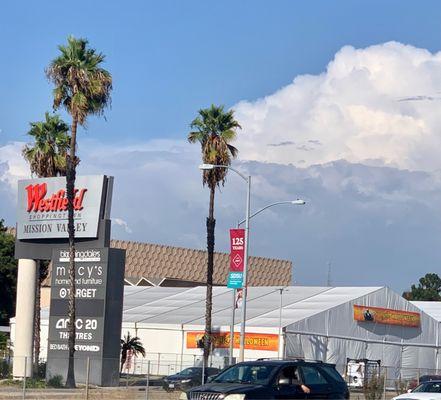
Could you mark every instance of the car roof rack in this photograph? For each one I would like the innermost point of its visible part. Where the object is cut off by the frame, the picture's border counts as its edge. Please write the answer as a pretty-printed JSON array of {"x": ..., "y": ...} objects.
[{"x": 289, "y": 359}]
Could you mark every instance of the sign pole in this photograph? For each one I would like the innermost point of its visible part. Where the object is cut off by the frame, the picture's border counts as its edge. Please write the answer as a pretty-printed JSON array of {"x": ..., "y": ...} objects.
[
  {"x": 233, "y": 311},
  {"x": 245, "y": 273}
]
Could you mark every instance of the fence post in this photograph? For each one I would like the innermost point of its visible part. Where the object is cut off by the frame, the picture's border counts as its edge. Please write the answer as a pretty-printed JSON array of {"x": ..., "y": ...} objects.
[
  {"x": 147, "y": 381},
  {"x": 384, "y": 383},
  {"x": 24, "y": 378},
  {"x": 159, "y": 362},
  {"x": 87, "y": 377}
]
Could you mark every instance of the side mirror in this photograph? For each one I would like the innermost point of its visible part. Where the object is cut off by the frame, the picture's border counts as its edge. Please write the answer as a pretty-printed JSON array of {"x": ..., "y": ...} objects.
[
  {"x": 409, "y": 391},
  {"x": 210, "y": 378}
]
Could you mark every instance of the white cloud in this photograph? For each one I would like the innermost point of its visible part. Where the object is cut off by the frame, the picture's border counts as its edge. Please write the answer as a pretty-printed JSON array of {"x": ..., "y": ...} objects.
[
  {"x": 378, "y": 225},
  {"x": 15, "y": 167},
  {"x": 376, "y": 105},
  {"x": 122, "y": 223}
]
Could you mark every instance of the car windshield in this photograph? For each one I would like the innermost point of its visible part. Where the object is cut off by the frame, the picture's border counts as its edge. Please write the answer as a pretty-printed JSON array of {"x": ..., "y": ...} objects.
[
  {"x": 188, "y": 371},
  {"x": 431, "y": 387},
  {"x": 246, "y": 373}
]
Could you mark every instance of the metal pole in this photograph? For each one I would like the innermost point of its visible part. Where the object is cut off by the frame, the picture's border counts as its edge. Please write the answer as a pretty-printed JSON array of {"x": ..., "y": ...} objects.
[
  {"x": 245, "y": 274},
  {"x": 280, "y": 321},
  {"x": 233, "y": 312},
  {"x": 203, "y": 371},
  {"x": 147, "y": 381},
  {"x": 87, "y": 377}
]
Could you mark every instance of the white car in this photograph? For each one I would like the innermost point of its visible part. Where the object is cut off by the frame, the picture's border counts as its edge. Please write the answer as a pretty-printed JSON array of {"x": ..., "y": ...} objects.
[{"x": 426, "y": 391}]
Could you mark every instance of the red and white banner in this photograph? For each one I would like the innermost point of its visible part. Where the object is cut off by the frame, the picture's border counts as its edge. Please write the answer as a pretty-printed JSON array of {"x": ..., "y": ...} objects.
[{"x": 237, "y": 245}]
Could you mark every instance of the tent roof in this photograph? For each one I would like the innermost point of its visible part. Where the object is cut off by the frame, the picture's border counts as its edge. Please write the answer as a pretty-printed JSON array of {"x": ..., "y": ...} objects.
[
  {"x": 186, "y": 306},
  {"x": 431, "y": 308}
]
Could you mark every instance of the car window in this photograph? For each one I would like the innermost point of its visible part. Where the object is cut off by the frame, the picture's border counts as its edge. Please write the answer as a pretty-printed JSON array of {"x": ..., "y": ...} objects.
[
  {"x": 332, "y": 372},
  {"x": 420, "y": 388},
  {"x": 433, "y": 387},
  {"x": 291, "y": 374},
  {"x": 246, "y": 373},
  {"x": 188, "y": 371},
  {"x": 312, "y": 376}
]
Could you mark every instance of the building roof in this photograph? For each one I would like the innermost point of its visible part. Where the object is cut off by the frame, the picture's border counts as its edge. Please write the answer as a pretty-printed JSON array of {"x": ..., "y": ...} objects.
[
  {"x": 431, "y": 308},
  {"x": 153, "y": 261}
]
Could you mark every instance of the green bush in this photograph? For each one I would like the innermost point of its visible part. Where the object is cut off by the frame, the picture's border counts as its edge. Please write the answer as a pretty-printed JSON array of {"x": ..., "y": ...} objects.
[
  {"x": 33, "y": 383},
  {"x": 401, "y": 386},
  {"x": 3, "y": 341},
  {"x": 5, "y": 369},
  {"x": 56, "y": 381},
  {"x": 40, "y": 370},
  {"x": 373, "y": 388}
]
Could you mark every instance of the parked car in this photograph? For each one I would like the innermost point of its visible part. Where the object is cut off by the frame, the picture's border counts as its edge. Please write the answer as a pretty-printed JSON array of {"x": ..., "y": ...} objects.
[
  {"x": 187, "y": 378},
  {"x": 423, "y": 378},
  {"x": 427, "y": 390},
  {"x": 273, "y": 379}
]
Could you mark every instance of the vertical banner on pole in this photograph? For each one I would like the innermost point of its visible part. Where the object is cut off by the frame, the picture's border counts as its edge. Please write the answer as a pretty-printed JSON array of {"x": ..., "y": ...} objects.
[{"x": 237, "y": 250}]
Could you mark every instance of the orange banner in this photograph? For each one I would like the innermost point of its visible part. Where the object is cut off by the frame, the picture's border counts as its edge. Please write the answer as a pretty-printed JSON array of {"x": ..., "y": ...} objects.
[
  {"x": 387, "y": 316},
  {"x": 253, "y": 341}
]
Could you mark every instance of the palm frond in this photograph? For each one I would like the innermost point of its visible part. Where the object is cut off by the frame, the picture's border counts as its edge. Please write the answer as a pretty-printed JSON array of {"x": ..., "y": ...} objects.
[{"x": 214, "y": 128}]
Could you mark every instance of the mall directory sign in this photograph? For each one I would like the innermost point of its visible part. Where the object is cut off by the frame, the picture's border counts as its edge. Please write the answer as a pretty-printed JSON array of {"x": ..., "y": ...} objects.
[
  {"x": 99, "y": 276},
  {"x": 42, "y": 207}
]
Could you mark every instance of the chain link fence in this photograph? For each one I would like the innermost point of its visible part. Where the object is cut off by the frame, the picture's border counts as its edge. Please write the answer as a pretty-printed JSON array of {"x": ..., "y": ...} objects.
[{"x": 142, "y": 378}]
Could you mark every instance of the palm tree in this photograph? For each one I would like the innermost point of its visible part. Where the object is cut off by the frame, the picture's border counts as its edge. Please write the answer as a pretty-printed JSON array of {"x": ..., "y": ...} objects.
[
  {"x": 83, "y": 88},
  {"x": 132, "y": 345},
  {"x": 214, "y": 128},
  {"x": 46, "y": 158}
]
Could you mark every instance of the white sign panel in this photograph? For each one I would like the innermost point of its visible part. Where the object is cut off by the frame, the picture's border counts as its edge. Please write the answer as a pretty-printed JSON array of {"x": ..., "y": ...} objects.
[{"x": 42, "y": 207}]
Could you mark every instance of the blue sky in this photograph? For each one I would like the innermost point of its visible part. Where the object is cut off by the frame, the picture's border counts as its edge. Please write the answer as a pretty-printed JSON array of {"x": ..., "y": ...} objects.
[
  {"x": 169, "y": 58},
  {"x": 339, "y": 103}
]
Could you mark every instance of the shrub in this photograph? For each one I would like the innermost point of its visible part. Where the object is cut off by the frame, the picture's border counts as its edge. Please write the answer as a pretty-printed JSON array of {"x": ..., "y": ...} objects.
[
  {"x": 5, "y": 369},
  {"x": 373, "y": 388},
  {"x": 56, "y": 381}
]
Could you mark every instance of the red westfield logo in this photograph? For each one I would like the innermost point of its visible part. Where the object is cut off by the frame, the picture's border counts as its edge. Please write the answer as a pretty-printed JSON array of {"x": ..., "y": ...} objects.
[{"x": 56, "y": 202}]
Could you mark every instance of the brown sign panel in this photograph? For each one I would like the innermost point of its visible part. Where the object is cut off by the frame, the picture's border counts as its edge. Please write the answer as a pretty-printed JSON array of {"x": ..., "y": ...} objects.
[{"x": 387, "y": 316}]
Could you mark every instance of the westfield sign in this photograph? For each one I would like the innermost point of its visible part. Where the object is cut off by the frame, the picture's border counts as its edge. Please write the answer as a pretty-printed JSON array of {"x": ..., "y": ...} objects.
[
  {"x": 42, "y": 207},
  {"x": 38, "y": 202}
]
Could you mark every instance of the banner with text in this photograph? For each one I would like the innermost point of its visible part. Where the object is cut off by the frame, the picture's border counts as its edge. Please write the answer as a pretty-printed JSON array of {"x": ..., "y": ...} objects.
[
  {"x": 253, "y": 341},
  {"x": 387, "y": 316},
  {"x": 237, "y": 246}
]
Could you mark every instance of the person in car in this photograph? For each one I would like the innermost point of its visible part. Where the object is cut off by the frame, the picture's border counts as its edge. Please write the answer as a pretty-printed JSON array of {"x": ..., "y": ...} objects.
[{"x": 292, "y": 375}]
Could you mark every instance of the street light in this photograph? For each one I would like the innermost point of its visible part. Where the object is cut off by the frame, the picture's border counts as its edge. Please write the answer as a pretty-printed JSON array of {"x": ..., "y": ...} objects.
[
  {"x": 297, "y": 202},
  {"x": 247, "y": 179}
]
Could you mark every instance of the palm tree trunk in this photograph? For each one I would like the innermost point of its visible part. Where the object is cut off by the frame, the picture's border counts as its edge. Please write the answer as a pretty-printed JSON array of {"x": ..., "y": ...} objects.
[
  {"x": 70, "y": 187},
  {"x": 37, "y": 321},
  {"x": 123, "y": 359},
  {"x": 211, "y": 222}
]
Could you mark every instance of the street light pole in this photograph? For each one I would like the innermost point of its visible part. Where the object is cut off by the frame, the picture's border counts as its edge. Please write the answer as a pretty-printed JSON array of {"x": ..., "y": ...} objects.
[
  {"x": 247, "y": 179},
  {"x": 245, "y": 274}
]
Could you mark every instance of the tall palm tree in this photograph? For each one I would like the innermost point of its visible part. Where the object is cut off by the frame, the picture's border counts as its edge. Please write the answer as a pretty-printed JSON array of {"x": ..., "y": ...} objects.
[
  {"x": 83, "y": 88},
  {"x": 46, "y": 158},
  {"x": 130, "y": 344},
  {"x": 214, "y": 129}
]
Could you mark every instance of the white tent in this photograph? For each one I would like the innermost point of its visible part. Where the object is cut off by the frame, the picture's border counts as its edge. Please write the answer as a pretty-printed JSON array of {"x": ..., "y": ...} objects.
[
  {"x": 316, "y": 323},
  {"x": 331, "y": 334}
]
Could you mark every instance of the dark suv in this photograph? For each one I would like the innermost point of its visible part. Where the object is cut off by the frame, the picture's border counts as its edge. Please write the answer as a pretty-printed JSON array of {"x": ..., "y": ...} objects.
[{"x": 271, "y": 379}]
